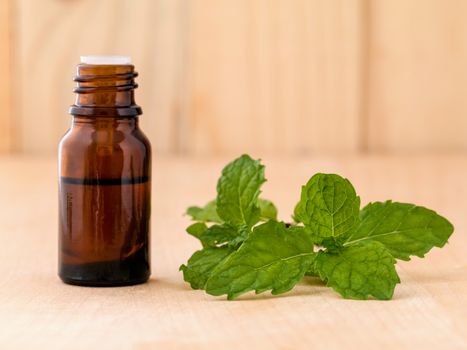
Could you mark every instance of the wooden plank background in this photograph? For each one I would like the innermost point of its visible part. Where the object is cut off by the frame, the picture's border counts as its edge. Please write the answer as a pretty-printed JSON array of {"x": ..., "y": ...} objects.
[
  {"x": 6, "y": 131},
  {"x": 418, "y": 76},
  {"x": 260, "y": 76}
]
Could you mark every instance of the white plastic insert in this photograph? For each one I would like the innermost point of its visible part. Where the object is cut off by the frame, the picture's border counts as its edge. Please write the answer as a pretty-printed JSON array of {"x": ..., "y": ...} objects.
[{"x": 105, "y": 59}]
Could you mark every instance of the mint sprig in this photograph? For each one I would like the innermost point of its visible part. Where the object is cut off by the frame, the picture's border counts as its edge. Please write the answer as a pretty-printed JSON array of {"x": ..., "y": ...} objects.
[{"x": 352, "y": 250}]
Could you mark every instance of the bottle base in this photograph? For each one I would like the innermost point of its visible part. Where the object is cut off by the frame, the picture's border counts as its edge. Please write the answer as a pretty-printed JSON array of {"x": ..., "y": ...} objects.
[
  {"x": 87, "y": 283},
  {"x": 134, "y": 270}
]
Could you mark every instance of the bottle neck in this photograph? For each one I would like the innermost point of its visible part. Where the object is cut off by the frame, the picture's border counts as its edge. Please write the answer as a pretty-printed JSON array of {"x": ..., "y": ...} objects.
[
  {"x": 105, "y": 91},
  {"x": 105, "y": 123}
]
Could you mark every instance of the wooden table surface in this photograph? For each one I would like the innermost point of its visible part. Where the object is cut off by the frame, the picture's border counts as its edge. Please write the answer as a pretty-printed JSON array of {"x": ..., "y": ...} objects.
[{"x": 428, "y": 311}]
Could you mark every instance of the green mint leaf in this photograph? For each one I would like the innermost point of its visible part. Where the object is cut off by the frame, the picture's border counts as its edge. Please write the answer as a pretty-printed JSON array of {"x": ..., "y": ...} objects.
[
  {"x": 197, "y": 229},
  {"x": 219, "y": 234},
  {"x": 201, "y": 264},
  {"x": 268, "y": 210},
  {"x": 243, "y": 233},
  {"x": 328, "y": 206},
  {"x": 404, "y": 229},
  {"x": 312, "y": 269},
  {"x": 238, "y": 189},
  {"x": 271, "y": 258},
  {"x": 359, "y": 271},
  {"x": 208, "y": 213}
]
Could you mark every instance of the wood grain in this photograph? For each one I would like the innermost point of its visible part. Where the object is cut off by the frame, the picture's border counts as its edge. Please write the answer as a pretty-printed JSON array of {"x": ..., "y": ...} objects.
[
  {"x": 429, "y": 309},
  {"x": 275, "y": 76},
  {"x": 418, "y": 76},
  {"x": 5, "y": 76},
  {"x": 267, "y": 76}
]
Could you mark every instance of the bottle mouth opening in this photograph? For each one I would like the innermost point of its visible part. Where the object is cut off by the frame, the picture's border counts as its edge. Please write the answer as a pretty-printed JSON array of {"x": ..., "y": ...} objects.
[{"x": 106, "y": 60}]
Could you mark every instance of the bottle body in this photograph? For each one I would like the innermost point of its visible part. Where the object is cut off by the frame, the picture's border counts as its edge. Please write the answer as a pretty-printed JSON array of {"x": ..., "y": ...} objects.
[{"x": 104, "y": 198}]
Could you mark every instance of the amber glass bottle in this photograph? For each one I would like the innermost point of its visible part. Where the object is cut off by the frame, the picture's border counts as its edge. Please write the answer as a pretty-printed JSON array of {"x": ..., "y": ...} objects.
[{"x": 104, "y": 181}]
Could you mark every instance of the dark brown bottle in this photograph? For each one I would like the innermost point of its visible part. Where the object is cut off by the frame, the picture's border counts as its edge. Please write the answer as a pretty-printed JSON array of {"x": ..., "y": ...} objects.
[{"x": 104, "y": 182}]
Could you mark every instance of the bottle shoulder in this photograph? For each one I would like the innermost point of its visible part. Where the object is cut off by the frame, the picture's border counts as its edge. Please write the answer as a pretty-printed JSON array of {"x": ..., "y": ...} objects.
[
  {"x": 104, "y": 152},
  {"x": 77, "y": 138},
  {"x": 141, "y": 137}
]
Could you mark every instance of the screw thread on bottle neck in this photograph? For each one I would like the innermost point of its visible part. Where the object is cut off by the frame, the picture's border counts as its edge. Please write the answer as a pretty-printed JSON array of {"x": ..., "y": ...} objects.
[{"x": 105, "y": 90}]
